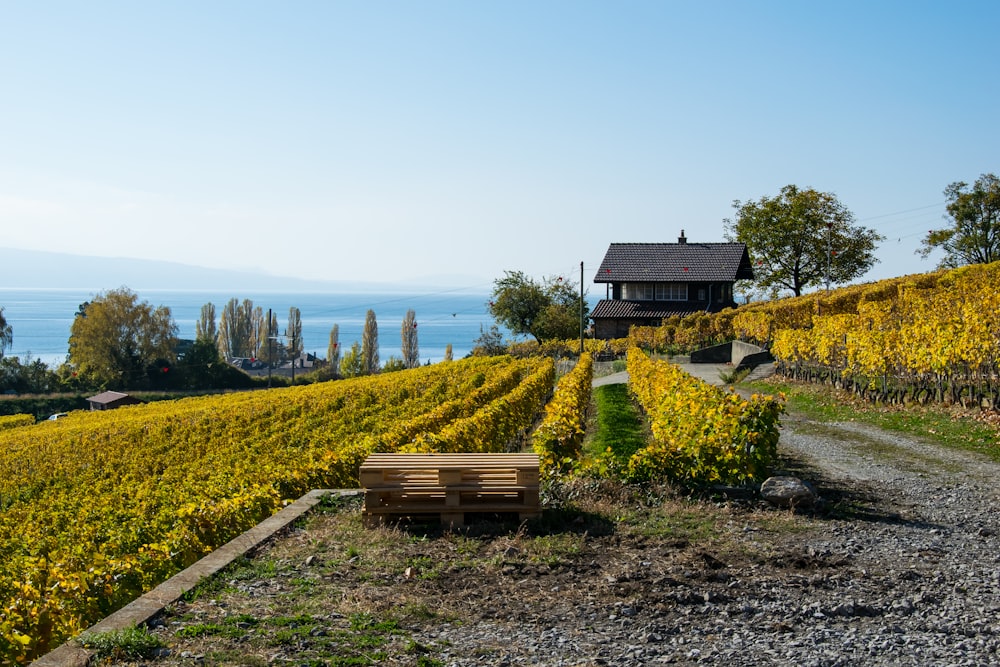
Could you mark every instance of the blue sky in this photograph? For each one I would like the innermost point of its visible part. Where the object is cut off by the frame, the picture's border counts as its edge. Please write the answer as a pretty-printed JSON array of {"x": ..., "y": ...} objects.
[{"x": 390, "y": 141}]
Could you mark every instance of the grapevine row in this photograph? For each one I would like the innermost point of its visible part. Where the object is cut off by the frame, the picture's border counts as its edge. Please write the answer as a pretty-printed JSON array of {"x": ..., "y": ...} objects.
[
  {"x": 13, "y": 421},
  {"x": 937, "y": 342},
  {"x": 559, "y": 438},
  {"x": 701, "y": 434}
]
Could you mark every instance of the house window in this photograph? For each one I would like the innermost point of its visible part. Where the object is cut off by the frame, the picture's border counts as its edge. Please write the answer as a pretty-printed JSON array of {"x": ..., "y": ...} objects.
[
  {"x": 701, "y": 295},
  {"x": 671, "y": 292},
  {"x": 639, "y": 291}
]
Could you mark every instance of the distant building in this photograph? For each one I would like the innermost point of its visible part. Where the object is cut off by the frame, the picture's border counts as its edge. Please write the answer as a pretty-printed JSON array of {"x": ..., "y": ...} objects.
[
  {"x": 648, "y": 282},
  {"x": 109, "y": 400},
  {"x": 248, "y": 363}
]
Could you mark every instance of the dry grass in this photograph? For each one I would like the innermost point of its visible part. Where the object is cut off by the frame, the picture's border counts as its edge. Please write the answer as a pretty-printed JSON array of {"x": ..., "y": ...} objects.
[{"x": 332, "y": 592}]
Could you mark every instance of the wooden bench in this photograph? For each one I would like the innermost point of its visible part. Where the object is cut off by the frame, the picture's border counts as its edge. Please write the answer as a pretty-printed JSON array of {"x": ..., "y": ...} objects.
[{"x": 449, "y": 486}]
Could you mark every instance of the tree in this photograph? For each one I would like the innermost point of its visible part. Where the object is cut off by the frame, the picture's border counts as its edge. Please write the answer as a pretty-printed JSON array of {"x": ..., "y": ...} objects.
[
  {"x": 408, "y": 334},
  {"x": 549, "y": 310},
  {"x": 202, "y": 367},
  {"x": 353, "y": 365},
  {"x": 293, "y": 333},
  {"x": 262, "y": 327},
  {"x": 490, "y": 343},
  {"x": 205, "y": 326},
  {"x": 369, "y": 344},
  {"x": 974, "y": 234},
  {"x": 237, "y": 329},
  {"x": 6, "y": 334},
  {"x": 447, "y": 351},
  {"x": 392, "y": 364},
  {"x": 30, "y": 377},
  {"x": 802, "y": 238},
  {"x": 333, "y": 349},
  {"x": 119, "y": 342}
]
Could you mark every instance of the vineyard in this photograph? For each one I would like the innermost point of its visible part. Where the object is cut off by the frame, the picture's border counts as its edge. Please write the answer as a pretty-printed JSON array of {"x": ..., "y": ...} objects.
[
  {"x": 96, "y": 508},
  {"x": 918, "y": 338}
]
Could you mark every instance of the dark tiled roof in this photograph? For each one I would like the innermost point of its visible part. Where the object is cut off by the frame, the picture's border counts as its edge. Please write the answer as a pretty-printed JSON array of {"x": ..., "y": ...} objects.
[
  {"x": 625, "y": 310},
  {"x": 674, "y": 262}
]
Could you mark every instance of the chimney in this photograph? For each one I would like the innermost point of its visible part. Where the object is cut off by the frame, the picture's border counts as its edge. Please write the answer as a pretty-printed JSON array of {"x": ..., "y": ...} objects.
[{"x": 682, "y": 238}]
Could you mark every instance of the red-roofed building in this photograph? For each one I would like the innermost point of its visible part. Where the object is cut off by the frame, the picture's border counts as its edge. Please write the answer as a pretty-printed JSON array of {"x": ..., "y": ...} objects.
[{"x": 648, "y": 282}]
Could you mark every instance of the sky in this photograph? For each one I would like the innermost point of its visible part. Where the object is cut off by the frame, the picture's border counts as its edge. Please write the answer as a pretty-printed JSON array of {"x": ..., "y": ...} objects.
[{"x": 392, "y": 141}]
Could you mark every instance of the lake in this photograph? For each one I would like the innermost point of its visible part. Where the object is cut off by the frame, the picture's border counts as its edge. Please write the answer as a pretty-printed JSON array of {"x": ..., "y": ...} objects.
[{"x": 41, "y": 318}]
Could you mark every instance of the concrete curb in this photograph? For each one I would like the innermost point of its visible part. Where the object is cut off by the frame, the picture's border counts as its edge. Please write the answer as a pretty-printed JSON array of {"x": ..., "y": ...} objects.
[{"x": 149, "y": 605}]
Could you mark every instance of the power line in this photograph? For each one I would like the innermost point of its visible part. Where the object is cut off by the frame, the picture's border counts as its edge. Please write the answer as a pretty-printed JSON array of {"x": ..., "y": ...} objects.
[{"x": 911, "y": 210}]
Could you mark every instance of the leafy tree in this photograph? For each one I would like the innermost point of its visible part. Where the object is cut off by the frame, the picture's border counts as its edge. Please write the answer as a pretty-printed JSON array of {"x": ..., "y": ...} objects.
[
  {"x": 974, "y": 234},
  {"x": 408, "y": 334},
  {"x": 369, "y": 344},
  {"x": 393, "y": 364},
  {"x": 119, "y": 342},
  {"x": 6, "y": 334},
  {"x": 333, "y": 349},
  {"x": 30, "y": 377},
  {"x": 490, "y": 343},
  {"x": 352, "y": 365},
  {"x": 549, "y": 310},
  {"x": 802, "y": 238},
  {"x": 202, "y": 367},
  {"x": 293, "y": 333},
  {"x": 205, "y": 326},
  {"x": 237, "y": 329},
  {"x": 262, "y": 328}
]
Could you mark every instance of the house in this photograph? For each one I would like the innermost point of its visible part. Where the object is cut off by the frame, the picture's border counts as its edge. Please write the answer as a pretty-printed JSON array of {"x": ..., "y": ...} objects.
[
  {"x": 648, "y": 282},
  {"x": 109, "y": 400}
]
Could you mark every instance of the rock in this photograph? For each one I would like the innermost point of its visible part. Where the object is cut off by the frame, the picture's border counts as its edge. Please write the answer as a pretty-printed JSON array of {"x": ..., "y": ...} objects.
[{"x": 787, "y": 492}]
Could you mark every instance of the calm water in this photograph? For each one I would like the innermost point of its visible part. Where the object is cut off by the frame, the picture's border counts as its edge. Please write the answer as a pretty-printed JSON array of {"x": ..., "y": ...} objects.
[{"x": 41, "y": 318}]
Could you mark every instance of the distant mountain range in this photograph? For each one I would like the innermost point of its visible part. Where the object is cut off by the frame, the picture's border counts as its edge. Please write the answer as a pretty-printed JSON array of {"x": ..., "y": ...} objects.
[{"x": 37, "y": 269}]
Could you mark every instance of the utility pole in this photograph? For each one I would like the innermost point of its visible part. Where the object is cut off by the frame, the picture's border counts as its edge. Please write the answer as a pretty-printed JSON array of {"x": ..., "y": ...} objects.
[
  {"x": 269, "y": 353},
  {"x": 581, "y": 307},
  {"x": 829, "y": 252}
]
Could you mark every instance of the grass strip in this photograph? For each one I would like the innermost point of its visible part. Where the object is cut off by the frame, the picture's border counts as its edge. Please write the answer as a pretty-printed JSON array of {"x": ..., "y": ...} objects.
[
  {"x": 949, "y": 426},
  {"x": 618, "y": 430}
]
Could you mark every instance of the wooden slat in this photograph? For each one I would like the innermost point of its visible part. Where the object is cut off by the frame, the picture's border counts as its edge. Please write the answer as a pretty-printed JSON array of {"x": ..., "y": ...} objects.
[{"x": 449, "y": 485}]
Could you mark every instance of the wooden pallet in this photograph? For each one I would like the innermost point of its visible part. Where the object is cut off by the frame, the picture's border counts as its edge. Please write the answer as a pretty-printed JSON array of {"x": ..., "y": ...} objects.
[{"x": 449, "y": 486}]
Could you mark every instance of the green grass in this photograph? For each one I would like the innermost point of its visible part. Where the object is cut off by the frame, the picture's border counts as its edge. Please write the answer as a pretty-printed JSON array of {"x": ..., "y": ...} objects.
[
  {"x": 619, "y": 429},
  {"x": 934, "y": 423},
  {"x": 691, "y": 523},
  {"x": 129, "y": 643}
]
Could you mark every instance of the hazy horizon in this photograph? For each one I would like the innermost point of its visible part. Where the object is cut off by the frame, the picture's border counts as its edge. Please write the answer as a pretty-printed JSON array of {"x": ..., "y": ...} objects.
[{"x": 26, "y": 269}]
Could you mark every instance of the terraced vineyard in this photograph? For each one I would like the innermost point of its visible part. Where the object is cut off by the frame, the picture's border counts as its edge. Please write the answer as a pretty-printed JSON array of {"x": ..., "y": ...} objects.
[{"x": 96, "y": 508}]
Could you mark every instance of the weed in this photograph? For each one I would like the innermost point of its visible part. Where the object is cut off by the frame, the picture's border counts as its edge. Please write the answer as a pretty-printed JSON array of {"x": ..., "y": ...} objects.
[
  {"x": 132, "y": 642},
  {"x": 556, "y": 549},
  {"x": 735, "y": 375}
]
